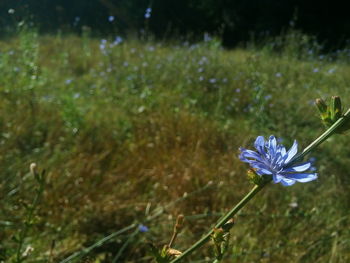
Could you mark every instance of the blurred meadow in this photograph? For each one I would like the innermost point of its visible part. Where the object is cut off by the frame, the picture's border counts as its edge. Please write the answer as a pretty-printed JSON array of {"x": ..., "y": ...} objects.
[{"x": 132, "y": 133}]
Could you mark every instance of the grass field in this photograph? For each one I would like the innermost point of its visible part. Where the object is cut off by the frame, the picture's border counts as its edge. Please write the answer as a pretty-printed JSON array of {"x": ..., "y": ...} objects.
[{"x": 133, "y": 133}]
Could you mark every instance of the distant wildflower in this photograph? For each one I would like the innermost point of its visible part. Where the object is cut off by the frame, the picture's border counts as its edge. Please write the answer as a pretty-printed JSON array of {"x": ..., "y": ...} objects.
[
  {"x": 268, "y": 97},
  {"x": 331, "y": 71},
  {"x": 148, "y": 13},
  {"x": 11, "y": 11},
  {"x": 118, "y": 40},
  {"x": 76, "y": 20},
  {"x": 111, "y": 19},
  {"x": 68, "y": 81},
  {"x": 103, "y": 44},
  {"x": 143, "y": 228},
  {"x": 315, "y": 70},
  {"x": 273, "y": 160},
  {"x": 207, "y": 37},
  {"x": 203, "y": 60},
  {"x": 212, "y": 80},
  {"x": 278, "y": 74}
]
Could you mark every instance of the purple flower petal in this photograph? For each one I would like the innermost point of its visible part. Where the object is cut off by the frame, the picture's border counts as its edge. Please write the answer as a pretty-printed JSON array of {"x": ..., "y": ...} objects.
[
  {"x": 292, "y": 152},
  {"x": 302, "y": 177},
  {"x": 250, "y": 154},
  {"x": 260, "y": 144},
  {"x": 272, "y": 145},
  {"x": 298, "y": 168},
  {"x": 287, "y": 182}
]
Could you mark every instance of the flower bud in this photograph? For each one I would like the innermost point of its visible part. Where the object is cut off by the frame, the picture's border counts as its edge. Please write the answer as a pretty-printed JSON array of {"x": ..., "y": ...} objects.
[
  {"x": 258, "y": 179},
  {"x": 321, "y": 105},
  {"x": 330, "y": 114},
  {"x": 335, "y": 108},
  {"x": 220, "y": 239},
  {"x": 218, "y": 234}
]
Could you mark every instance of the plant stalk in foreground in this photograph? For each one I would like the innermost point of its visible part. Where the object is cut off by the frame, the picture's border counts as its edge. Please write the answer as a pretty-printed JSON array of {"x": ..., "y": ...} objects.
[{"x": 329, "y": 132}]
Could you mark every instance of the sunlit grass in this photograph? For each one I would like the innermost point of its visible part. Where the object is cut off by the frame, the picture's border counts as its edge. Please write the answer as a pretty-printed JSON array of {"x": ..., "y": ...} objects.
[{"x": 126, "y": 129}]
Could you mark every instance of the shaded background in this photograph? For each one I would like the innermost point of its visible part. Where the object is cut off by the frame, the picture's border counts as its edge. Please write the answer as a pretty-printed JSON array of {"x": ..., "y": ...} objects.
[{"x": 235, "y": 21}]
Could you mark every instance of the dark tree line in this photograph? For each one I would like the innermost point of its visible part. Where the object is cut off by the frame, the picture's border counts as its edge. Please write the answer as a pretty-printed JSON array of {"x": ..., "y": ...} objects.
[{"x": 233, "y": 20}]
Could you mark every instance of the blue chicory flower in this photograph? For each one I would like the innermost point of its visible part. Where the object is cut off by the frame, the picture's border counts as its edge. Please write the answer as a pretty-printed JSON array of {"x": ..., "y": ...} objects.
[{"x": 272, "y": 159}]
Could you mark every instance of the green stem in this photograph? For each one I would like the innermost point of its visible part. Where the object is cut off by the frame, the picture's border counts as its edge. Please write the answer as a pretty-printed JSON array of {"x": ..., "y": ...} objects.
[
  {"x": 221, "y": 222},
  {"x": 27, "y": 223},
  {"x": 257, "y": 188}
]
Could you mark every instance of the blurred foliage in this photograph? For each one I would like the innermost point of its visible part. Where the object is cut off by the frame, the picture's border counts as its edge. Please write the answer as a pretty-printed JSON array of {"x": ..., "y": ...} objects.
[{"x": 234, "y": 21}]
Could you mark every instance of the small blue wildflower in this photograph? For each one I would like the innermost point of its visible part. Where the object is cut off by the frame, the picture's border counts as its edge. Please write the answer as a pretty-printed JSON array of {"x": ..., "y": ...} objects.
[
  {"x": 148, "y": 13},
  {"x": 272, "y": 159},
  {"x": 331, "y": 71},
  {"x": 103, "y": 44},
  {"x": 267, "y": 97},
  {"x": 118, "y": 40},
  {"x": 278, "y": 74},
  {"x": 315, "y": 70},
  {"x": 143, "y": 228},
  {"x": 207, "y": 37},
  {"x": 111, "y": 19}
]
